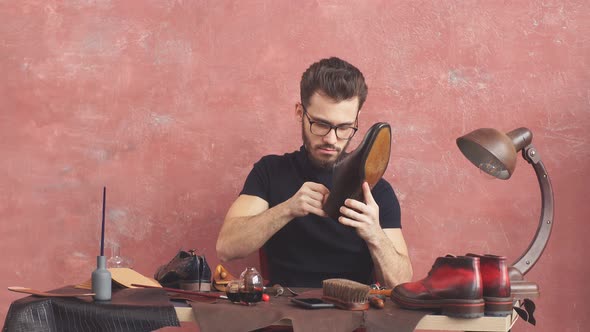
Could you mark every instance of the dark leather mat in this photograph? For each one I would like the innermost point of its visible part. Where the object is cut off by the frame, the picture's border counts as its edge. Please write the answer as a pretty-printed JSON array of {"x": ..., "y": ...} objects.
[
  {"x": 225, "y": 316},
  {"x": 131, "y": 309}
]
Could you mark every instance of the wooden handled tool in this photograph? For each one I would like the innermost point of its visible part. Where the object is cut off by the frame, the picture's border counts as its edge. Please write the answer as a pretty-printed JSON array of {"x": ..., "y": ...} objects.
[
  {"x": 376, "y": 301},
  {"x": 180, "y": 291},
  {"x": 386, "y": 292}
]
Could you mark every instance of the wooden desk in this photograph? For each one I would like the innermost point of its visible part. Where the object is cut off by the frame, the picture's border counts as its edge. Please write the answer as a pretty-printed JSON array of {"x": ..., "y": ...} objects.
[
  {"x": 149, "y": 304},
  {"x": 429, "y": 322}
]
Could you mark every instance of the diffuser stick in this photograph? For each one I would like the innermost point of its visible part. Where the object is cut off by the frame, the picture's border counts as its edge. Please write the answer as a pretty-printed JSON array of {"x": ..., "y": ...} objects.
[
  {"x": 104, "y": 196},
  {"x": 101, "y": 277}
]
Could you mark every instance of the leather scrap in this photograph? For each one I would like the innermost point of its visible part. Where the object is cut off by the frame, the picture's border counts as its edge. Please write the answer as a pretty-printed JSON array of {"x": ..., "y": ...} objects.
[
  {"x": 214, "y": 317},
  {"x": 36, "y": 292}
]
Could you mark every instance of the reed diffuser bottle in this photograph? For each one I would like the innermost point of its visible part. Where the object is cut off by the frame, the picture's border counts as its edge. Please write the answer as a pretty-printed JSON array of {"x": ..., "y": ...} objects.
[
  {"x": 101, "y": 280},
  {"x": 101, "y": 277}
]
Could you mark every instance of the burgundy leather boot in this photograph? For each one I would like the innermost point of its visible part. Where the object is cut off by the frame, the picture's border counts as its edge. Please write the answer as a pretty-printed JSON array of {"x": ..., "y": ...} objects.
[
  {"x": 496, "y": 285},
  {"x": 452, "y": 286},
  {"x": 367, "y": 162}
]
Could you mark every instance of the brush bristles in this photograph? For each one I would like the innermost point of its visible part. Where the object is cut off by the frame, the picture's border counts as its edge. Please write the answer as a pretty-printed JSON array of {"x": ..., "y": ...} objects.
[{"x": 346, "y": 290}]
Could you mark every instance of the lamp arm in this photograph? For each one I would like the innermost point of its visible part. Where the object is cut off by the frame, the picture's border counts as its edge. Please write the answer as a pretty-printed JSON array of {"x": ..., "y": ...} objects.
[{"x": 535, "y": 249}]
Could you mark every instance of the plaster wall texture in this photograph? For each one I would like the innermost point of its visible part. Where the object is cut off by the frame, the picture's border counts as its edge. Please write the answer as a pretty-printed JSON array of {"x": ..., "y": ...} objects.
[{"x": 169, "y": 103}]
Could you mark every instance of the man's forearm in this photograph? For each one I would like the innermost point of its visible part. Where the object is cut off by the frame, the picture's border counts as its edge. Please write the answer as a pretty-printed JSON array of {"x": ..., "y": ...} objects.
[
  {"x": 392, "y": 267},
  {"x": 240, "y": 236}
]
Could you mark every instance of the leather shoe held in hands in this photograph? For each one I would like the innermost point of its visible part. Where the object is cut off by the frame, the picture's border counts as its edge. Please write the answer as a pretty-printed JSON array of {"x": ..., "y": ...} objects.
[
  {"x": 453, "y": 286},
  {"x": 367, "y": 163},
  {"x": 186, "y": 270},
  {"x": 496, "y": 285}
]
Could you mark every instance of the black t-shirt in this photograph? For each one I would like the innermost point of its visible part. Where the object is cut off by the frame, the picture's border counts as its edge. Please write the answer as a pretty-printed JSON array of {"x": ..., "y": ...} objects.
[{"x": 312, "y": 248}]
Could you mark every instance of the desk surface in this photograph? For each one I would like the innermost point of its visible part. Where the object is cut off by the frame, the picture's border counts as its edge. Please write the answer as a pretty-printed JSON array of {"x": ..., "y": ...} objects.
[
  {"x": 428, "y": 322},
  {"x": 22, "y": 308}
]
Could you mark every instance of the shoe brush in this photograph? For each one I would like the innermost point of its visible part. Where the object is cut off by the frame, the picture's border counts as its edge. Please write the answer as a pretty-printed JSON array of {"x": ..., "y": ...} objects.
[{"x": 346, "y": 294}]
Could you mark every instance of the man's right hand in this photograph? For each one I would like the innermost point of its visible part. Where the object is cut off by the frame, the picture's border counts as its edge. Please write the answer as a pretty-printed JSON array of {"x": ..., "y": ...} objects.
[
  {"x": 308, "y": 199},
  {"x": 250, "y": 222}
]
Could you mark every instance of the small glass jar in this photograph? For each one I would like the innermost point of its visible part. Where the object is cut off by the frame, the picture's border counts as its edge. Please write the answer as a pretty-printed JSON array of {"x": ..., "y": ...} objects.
[
  {"x": 116, "y": 260},
  {"x": 232, "y": 290},
  {"x": 251, "y": 286}
]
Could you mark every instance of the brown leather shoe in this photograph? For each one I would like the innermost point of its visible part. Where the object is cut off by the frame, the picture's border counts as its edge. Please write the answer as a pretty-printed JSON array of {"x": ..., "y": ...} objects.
[
  {"x": 496, "y": 285},
  {"x": 452, "y": 286},
  {"x": 367, "y": 163}
]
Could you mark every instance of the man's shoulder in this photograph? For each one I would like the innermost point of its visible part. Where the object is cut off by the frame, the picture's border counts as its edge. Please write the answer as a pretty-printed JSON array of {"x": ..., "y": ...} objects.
[
  {"x": 274, "y": 159},
  {"x": 383, "y": 188},
  {"x": 382, "y": 183}
]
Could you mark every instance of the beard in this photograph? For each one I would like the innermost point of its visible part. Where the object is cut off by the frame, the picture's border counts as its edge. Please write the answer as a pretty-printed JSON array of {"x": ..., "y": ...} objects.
[{"x": 325, "y": 164}]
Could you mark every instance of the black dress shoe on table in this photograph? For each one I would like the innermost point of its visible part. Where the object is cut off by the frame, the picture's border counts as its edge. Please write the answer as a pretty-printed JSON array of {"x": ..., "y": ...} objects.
[
  {"x": 185, "y": 271},
  {"x": 205, "y": 279}
]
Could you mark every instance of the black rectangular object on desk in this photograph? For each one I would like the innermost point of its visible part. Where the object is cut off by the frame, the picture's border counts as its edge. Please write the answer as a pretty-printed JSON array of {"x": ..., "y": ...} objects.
[{"x": 311, "y": 303}]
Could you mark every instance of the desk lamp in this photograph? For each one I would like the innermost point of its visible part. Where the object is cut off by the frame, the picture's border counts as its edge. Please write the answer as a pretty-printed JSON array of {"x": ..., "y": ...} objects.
[{"x": 495, "y": 153}]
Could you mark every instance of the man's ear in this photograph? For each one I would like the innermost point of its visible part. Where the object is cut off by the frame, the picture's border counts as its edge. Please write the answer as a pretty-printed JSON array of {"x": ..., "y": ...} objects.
[{"x": 299, "y": 112}]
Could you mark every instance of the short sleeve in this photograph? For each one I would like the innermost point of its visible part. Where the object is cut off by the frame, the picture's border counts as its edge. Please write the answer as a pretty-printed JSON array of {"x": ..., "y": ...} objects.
[
  {"x": 389, "y": 208},
  {"x": 258, "y": 181}
]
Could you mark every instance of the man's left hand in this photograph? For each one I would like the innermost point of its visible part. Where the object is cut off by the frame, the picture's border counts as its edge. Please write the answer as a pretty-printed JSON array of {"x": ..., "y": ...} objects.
[{"x": 364, "y": 217}]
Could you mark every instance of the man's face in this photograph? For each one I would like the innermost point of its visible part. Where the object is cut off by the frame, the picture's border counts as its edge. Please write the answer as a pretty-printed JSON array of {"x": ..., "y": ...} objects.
[{"x": 323, "y": 151}]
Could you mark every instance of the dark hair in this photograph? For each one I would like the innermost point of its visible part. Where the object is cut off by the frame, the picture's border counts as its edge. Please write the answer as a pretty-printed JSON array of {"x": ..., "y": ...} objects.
[{"x": 334, "y": 78}]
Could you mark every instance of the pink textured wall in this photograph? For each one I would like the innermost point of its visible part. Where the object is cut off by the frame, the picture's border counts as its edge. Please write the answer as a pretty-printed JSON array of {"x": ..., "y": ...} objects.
[{"x": 169, "y": 103}]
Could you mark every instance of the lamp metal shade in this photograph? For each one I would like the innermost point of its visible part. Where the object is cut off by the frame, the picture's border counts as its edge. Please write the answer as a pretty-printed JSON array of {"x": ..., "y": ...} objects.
[{"x": 490, "y": 150}]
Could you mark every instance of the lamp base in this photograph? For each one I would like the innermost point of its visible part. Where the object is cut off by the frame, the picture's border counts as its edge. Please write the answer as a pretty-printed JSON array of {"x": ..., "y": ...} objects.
[{"x": 520, "y": 288}]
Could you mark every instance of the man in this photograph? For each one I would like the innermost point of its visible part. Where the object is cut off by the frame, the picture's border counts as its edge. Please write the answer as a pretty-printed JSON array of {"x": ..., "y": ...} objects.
[{"x": 280, "y": 206}]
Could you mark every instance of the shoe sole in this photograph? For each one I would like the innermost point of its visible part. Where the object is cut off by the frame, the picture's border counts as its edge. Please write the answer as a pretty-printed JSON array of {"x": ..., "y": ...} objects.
[
  {"x": 377, "y": 157},
  {"x": 498, "y": 306},
  {"x": 449, "y": 307}
]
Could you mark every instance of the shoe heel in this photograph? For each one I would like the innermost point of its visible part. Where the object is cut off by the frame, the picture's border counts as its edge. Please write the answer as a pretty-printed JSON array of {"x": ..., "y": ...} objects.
[
  {"x": 463, "y": 310},
  {"x": 205, "y": 286},
  {"x": 498, "y": 306}
]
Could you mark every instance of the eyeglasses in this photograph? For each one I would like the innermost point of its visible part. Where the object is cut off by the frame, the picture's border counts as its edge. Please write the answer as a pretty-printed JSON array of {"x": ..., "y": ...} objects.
[{"x": 343, "y": 132}]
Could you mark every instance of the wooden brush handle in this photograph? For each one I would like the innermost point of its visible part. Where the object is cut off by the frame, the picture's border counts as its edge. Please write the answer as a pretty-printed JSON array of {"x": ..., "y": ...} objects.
[
  {"x": 376, "y": 301},
  {"x": 346, "y": 305},
  {"x": 386, "y": 292}
]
